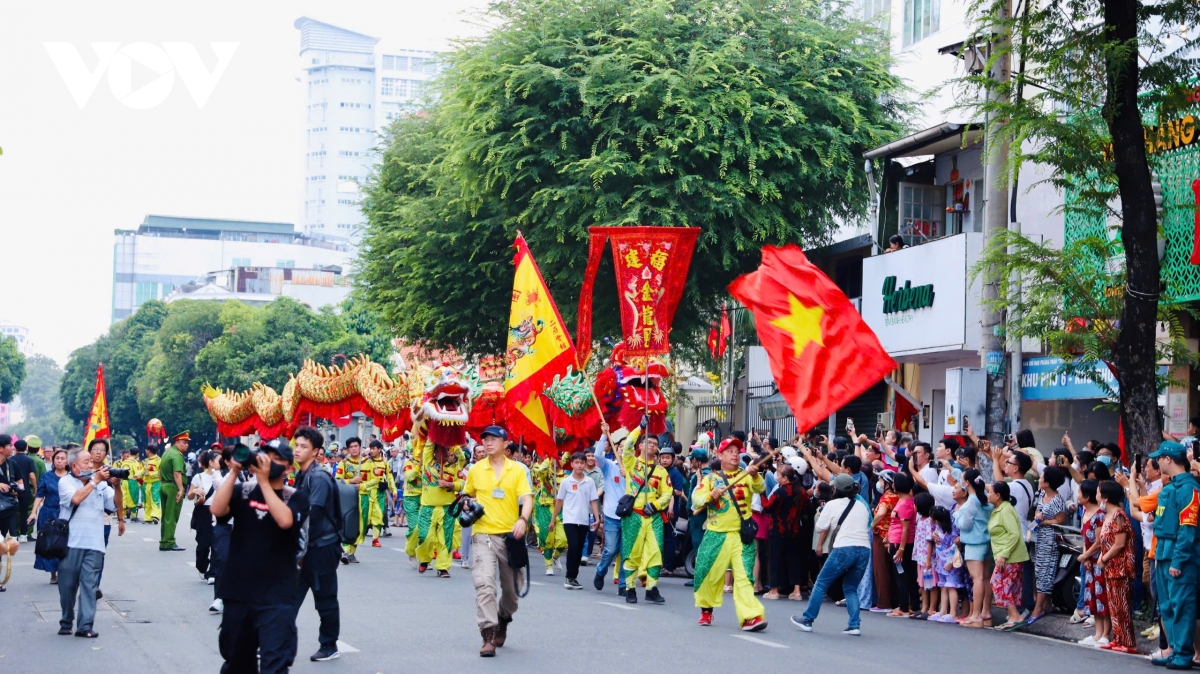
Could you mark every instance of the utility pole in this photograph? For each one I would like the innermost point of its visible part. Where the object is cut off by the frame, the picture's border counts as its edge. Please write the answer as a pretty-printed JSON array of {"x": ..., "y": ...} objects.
[{"x": 996, "y": 220}]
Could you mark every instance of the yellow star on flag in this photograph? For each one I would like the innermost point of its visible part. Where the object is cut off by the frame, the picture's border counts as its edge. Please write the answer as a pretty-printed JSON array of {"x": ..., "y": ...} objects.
[{"x": 803, "y": 323}]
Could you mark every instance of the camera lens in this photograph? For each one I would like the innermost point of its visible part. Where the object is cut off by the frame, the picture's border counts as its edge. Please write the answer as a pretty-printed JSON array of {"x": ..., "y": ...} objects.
[{"x": 119, "y": 473}]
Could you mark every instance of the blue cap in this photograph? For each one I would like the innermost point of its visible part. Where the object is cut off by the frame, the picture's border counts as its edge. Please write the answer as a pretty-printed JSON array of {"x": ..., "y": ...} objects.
[
  {"x": 1171, "y": 449},
  {"x": 497, "y": 431}
]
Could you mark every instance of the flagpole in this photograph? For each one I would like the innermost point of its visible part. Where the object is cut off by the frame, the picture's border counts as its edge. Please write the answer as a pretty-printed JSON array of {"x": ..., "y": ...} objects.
[{"x": 771, "y": 451}]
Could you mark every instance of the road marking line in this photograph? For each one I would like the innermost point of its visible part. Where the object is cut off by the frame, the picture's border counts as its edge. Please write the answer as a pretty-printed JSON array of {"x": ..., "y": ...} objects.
[
  {"x": 344, "y": 647},
  {"x": 191, "y": 564},
  {"x": 620, "y": 606},
  {"x": 397, "y": 549},
  {"x": 534, "y": 582},
  {"x": 149, "y": 540},
  {"x": 756, "y": 640}
]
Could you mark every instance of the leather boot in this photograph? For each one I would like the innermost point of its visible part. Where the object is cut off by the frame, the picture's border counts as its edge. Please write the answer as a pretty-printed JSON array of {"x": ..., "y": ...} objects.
[
  {"x": 501, "y": 631},
  {"x": 489, "y": 648}
]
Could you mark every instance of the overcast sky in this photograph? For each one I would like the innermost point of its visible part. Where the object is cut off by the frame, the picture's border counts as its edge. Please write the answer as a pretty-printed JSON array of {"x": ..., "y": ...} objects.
[{"x": 70, "y": 176}]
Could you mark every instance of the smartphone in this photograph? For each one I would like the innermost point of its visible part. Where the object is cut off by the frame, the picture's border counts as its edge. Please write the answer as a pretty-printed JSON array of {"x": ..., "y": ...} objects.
[
  {"x": 849, "y": 423},
  {"x": 1009, "y": 437}
]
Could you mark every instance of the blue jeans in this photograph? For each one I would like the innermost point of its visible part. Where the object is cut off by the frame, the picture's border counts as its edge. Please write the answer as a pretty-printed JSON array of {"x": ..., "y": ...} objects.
[
  {"x": 849, "y": 564},
  {"x": 612, "y": 547}
]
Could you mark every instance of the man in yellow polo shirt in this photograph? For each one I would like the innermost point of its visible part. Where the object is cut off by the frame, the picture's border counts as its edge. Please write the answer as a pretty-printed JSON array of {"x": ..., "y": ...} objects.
[{"x": 502, "y": 487}]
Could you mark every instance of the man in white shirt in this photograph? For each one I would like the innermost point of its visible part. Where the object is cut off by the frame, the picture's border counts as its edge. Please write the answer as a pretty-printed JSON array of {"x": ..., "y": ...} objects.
[
  {"x": 848, "y": 519},
  {"x": 85, "y": 497},
  {"x": 577, "y": 500}
]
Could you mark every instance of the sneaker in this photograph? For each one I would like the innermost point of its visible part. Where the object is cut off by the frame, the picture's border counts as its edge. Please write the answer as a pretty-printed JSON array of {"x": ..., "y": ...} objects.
[
  {"x": 345, "y": 558},
  {"x": 443, "y": 574},
  {"x": 412, "y": 561},
  {"x": 584, "y": 561},
  {"x": 598, "y": 583},
  {"x": 324, "y": 654},
  {"x": 375, "y": 543},
  {"x": 455, "y": 555},
  {"x": 572, "y": 584},
  {"x": 465, "y": 564},
  {"x": 706, "y": 617},
  {"x": 804, "y": 625},
  {"x": 204, "y": 575},
  {"x": 754, "y": 624},
  {"x": 422, "y": 567},
  {"x": 353, "y": 559},
  {"x": 654, "y": 597},
  {"x": 852, "y": 631},
  {"x": 630, "y": 596},
  {"x": 217, "y": 606},
  {"x": 387, "y": 533},
  {"x": 99, "y": 595},
  {"x": 211, "y": 580},
  {"x": 549, "y": 571},
  {"x": 622, "y": 591}
]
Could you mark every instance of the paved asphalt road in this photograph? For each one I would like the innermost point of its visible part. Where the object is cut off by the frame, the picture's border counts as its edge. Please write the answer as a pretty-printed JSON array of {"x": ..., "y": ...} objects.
[{"x": 154, "y": 618}]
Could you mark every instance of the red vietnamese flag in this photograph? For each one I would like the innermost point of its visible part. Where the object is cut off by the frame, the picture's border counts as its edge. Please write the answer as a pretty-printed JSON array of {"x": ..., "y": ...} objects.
[{"x": 822, "y": 353}]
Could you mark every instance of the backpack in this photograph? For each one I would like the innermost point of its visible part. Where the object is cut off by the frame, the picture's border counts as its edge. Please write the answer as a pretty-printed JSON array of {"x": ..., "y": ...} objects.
[{"x": 345, "y": 501}]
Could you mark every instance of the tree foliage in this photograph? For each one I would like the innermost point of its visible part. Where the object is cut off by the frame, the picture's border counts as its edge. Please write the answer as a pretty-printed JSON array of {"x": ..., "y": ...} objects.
[
  {"x": 156, "y": 360},
  {"x": 1086, "y": 76},
  {"x": 12, "y": 369},
  {"x": 40, "y": 403},
  {"x": 747, "y": 120}
]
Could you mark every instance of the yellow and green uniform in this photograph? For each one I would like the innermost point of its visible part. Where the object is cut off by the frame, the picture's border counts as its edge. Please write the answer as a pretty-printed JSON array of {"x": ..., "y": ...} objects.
[
  {"x": 642, "y": 535},
  {"x": 148, "y": 475},
  {"x": 1175, "y": 523},
  {"x": 412, "y": 503},
  {"x": 375, "y": 492},
  {"x": 722, "y": 547},
  {"x": 435, "y": 528},
  {"x": 553, "y": 542},
  {"x": 132, "y": 491}
]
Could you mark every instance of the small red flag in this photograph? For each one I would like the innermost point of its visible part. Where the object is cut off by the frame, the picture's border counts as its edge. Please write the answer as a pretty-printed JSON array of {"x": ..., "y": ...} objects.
[
  {"x": 718, "y": 335},
  {"x": 822, "y": 353}
]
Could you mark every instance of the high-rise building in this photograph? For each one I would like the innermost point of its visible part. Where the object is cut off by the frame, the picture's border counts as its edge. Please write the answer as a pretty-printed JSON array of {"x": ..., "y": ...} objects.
[
  {"x": 20, "y": 334},
  {"x": 354, "y": 85},
  {"x": 166, "y": 253}
]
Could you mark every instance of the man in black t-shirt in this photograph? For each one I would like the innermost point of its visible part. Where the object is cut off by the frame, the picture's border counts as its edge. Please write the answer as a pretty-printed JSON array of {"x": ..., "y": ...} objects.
[
  {"x": 25, "y": 470},
  {"x": 258, "y": 583},
  {"x": 319, "y": 571}
]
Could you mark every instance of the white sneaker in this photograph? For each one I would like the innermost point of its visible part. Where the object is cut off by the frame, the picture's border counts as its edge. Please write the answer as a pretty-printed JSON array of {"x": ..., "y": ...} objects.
[
  {"x": 203, "y": 576},
  {"x": 211, "y": 581},
  {"x": 465, "y": 564},
  {"x": 550, "y": 571},
  {"x": 217, "y": 606}
]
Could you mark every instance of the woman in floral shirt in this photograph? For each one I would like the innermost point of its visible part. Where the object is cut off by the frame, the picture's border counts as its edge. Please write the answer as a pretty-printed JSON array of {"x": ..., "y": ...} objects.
[
  {"x": 1093, "y": 581},
  {"x": 1116, "y": 562}
]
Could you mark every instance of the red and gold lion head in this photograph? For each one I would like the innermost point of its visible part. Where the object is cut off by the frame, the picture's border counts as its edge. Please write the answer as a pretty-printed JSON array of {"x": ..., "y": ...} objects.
[
  {"x": 629, "y": 388},
  {"x": 442, "y": 412}
]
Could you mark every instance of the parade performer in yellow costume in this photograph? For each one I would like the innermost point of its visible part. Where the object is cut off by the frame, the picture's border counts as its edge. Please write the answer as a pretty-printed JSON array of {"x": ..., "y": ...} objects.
[
  {"x": 642, "y": 530},
  {"x": 148, "y": 476},
  {"x": 551, "y": 540},
  {"x": 435, "y": 527},
  {"x": 351, "y": 470},
  {"x": 725, "y": 495},
  {"x": 412, "y": 505},
  {"x": 131, "y": 490},
  {"x": 376, "y": 485}
]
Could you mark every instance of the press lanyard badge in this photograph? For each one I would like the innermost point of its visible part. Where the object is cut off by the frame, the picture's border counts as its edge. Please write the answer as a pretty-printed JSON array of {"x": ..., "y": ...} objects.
[{"x": 497, "y": 493}]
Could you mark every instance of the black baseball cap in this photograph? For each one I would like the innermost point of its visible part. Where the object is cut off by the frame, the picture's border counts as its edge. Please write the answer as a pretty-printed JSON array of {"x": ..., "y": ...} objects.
[{"x": 497, "y": 431}]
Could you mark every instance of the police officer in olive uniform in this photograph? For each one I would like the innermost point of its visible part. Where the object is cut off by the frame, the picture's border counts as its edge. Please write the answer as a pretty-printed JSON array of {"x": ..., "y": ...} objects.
[
  {"x": 1178, "y": 566},
  {"x": 170, "y": 472}
]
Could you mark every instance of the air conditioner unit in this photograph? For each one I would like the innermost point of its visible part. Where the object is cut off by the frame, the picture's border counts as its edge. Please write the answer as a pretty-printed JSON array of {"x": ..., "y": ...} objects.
[{"x": 884, "y": 419}]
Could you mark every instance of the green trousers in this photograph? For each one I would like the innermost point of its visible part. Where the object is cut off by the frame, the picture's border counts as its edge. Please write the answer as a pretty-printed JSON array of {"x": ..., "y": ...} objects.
[
  {"x": 170, "y": 515},
  {"x": 1177, "y": 599}
]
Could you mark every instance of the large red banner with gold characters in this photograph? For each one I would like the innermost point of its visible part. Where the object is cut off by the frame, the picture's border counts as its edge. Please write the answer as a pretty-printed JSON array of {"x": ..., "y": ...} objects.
[{"x": 651, "y": 265}]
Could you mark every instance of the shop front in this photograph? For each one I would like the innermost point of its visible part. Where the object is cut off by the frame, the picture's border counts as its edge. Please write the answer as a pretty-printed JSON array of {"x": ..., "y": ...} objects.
[{"x": 926, "y": 313}]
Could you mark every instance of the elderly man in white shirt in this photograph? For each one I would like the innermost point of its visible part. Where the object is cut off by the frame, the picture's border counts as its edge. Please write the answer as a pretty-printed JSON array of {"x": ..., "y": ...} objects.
[{"x": 85, "y": 497}]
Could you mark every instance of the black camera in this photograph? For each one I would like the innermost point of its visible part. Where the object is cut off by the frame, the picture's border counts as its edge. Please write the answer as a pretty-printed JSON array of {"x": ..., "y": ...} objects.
[
  {"x": 119, "y": 473},
  {"x": 470, "y": 511},
  {"x": 244, "y": 455}
]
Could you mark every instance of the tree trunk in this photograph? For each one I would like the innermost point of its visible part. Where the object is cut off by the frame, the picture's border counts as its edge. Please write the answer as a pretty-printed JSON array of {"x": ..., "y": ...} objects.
[{"x": 1134, "y": 356}]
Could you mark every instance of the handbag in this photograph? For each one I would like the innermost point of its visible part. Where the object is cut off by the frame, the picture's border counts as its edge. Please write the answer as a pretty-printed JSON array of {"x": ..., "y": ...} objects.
[
  {"x": 625, "y": 504},
  {"x": 7, "y": 500},
  {"x": 52, "y": 539},
  {"x": 749, "y": 528}
]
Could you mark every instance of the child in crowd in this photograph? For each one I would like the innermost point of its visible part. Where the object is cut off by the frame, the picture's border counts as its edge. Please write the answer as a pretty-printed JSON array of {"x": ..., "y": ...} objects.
[
  {"x": 923, "y": 556},
  {"x": 949, "y": 564}
]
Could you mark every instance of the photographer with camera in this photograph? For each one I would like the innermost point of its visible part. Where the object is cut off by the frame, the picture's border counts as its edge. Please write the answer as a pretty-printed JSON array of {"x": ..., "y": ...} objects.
[
  {"x": 319, "y": 570},
  {"x": 258, "y": 583},
  {"x": 99, "y": 450},
  {"x": 500, "y": 487},
  {"x": 85, "y": 498}
]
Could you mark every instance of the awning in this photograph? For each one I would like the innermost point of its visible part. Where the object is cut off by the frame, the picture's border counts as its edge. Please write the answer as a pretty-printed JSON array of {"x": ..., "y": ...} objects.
[{"x": 944, "y": 137}]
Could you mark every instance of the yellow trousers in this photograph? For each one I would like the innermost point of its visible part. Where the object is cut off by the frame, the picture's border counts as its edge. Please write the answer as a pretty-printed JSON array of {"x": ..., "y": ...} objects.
[
  {"x": 720, "y": 551},
  {"x": 641, "y": 548},
  {"x": 434, "y": 536},
  {"x": 152, "y": 504}
]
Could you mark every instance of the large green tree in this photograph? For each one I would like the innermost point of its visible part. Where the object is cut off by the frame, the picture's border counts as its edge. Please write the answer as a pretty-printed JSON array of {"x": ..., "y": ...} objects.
[
  {"x": 41, "y": 404},
  {"x": 747, "y": 120},
  {"x": 1112, "y": 65},
  {"x": 12, "y": 369}
]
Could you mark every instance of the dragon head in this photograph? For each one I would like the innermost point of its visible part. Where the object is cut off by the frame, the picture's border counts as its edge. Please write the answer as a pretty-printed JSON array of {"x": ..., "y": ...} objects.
[
  {"x": 635, "y": 390},
  {"x": 445, "y": 407}
]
